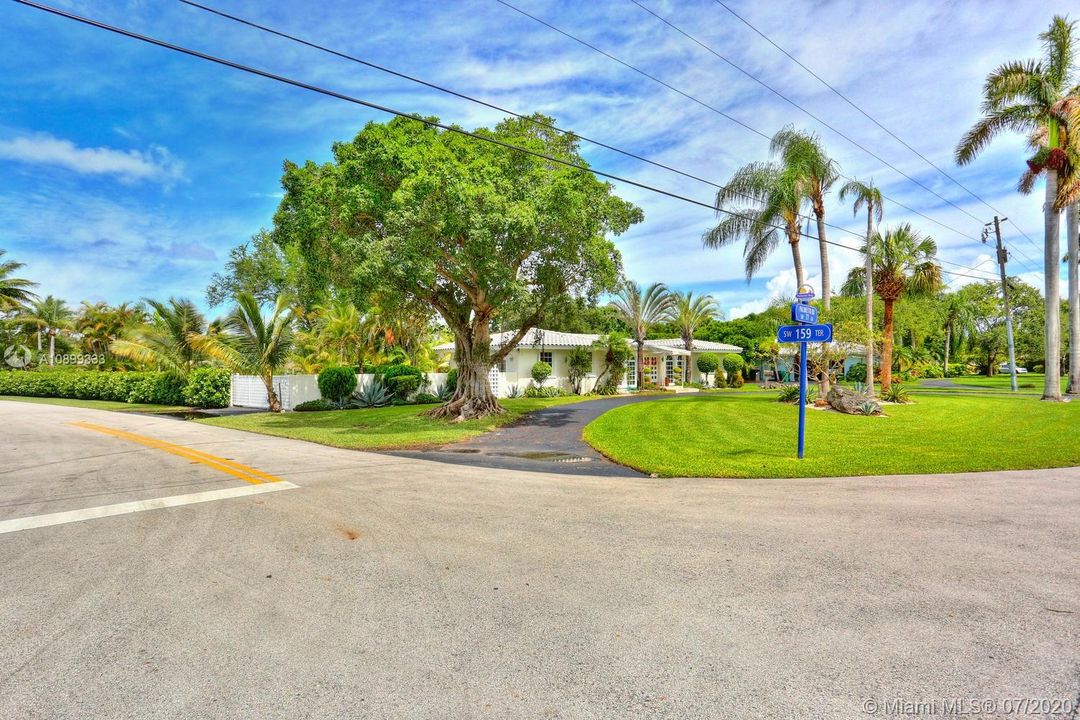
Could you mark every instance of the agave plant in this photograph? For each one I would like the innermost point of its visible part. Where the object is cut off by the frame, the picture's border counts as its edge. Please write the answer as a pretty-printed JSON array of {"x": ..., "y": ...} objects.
[
  {"x": 896, "y": 394},
  {"x": 372, "y": 395},
  {"x": 790, "y": 394},
  {"x": 444, "y": 393},
  {"x": 869, "y": 408},
  {"x": 513, "y": 391}
]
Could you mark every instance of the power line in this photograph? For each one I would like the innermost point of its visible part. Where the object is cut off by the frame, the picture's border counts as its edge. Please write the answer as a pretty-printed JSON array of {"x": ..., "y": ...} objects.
[
  {"x": 399, "y": 113},
  {"x": 869, "y": 117},
  {"x": 735, "y": 120},
  {"x": 464, "y": 96}
]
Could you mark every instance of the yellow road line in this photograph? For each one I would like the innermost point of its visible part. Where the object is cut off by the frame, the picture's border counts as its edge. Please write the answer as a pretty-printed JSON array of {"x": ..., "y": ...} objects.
[{"x": 230, "y": 467}]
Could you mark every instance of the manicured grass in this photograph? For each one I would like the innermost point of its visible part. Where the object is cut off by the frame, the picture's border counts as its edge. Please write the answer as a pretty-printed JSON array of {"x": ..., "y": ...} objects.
[
  {"x": 1028, "y": 382},
  {"x": 401, "y": 426},
  {"x": 755, "y": 436},
  {"x": 99, "y": 404}
]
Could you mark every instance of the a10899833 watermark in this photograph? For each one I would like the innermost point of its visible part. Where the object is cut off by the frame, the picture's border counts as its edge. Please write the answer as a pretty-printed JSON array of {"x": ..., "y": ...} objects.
[
  {"x": 970, "y": 707},
  {"x": 21, "y": 356}
]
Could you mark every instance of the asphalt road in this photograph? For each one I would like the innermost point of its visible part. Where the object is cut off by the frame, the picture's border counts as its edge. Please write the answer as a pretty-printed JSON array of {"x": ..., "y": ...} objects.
[{"x": 386, "y": 587}]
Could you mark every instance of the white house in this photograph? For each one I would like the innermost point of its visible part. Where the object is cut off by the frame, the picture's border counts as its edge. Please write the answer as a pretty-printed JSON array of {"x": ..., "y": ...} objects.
[{"x": 662, "y": 357}]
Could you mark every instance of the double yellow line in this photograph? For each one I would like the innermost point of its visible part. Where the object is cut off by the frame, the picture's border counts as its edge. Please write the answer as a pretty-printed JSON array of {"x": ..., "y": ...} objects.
[{"x": 245, "y": 473}]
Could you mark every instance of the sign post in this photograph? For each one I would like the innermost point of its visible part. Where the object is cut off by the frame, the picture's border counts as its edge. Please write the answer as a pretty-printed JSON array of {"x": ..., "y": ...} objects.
[{"x": 807, "y": 331}]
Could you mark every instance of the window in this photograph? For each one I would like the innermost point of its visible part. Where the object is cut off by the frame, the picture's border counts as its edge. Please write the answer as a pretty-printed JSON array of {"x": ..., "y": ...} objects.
[
  {"x": 545, "y": 356},
  {"x": 631, "y": 373}
]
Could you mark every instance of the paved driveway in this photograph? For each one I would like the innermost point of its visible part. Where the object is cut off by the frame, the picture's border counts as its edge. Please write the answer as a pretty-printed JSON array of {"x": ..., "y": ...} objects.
[{"x": 381, "y": 586}]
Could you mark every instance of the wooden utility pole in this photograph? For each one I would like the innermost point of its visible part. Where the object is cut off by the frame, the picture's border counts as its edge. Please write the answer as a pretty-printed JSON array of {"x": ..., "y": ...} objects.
[{"x": 1002, "y": 258}]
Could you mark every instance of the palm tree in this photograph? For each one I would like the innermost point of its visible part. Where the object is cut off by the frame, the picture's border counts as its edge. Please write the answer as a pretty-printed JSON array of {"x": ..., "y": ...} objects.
[
  {"x": 868, "y": 196},
  {"x": 99, "y": 324},
  {"x": 959, "y": 322},
  {"x": 1024, "y": 96},
  {"x": 165, "y": 342},
  {"x": 15, "y": 292},
  {"x": 253, "y": 344},
  {"x": 690, "y": 313},
  {"x": 51, "y": 316},
  {"x": 904, "y": 263},
  {"x": 760, "y": 201},
  {"x": 640, "y": 311},
  {"x": 803, "y": 155}
]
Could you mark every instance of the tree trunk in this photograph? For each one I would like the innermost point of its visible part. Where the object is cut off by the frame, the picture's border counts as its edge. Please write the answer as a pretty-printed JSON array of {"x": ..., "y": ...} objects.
[
  {"x": 271, "y": 396},
  {"x": 472, "y": 397},
  {"x": 52, "y": 347},
  {"x": 1072, "y": 227},
  {"x": 1051, "y": 265},
  {"x": 823, "y": 249},
  {"x": 948, "y": 341},
  {"x": 869, "y": 303},
  {"x": 796, "y": 256},
  {"x": 887, "y": 346},
  {"x": 640, "y": 365},
  {"x": 39, "y": 341}
]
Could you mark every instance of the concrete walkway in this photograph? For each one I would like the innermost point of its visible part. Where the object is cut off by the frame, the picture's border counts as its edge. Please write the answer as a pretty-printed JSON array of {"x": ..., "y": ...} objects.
[{"x": 547, "y": 440}]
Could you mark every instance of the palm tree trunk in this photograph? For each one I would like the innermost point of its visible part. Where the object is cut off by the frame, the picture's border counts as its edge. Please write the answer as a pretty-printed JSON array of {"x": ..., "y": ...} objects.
[
  {"x": 887, "y": 346},
  {"x": 823, "y": 249},
  {"x": 640, "y": 360},
  {"x": 948, "y": 342},
  {"x": 271, "y": 396},
  {"x": 1072, "y": 227},
  {"x": 869, "y": 302},
  {"x": 796, "y": 256},
  {"x": 52, "y": 346},
  {"x": 39, "y": 341},
  {"x": 1051, "y": 265}
]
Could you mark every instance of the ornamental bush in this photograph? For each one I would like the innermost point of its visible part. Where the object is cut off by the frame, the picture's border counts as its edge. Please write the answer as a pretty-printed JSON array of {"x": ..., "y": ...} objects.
[
  {"x": 708, "y": 363},
  {"x": 402, "y": 380},
  {"x": 208, "y": 388},
  {"x": 451, "y": 381},
  {"x": 733, "y": 366},
  {"x": 315, "y": 405},
  {"x": 337, "y": 383},
  {"x": 856, "y": 373},
  {"x": 541, "y": 371}
]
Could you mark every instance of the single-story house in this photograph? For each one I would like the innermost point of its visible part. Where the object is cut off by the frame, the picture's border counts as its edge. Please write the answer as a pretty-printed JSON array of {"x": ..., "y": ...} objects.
[
  {"x": 661, "y": 359},
  {"x": 788, "y": 365}
]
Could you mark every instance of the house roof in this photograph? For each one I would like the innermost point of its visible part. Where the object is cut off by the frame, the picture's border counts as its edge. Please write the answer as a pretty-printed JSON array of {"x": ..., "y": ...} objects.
[{"x": 539, "y": 337}]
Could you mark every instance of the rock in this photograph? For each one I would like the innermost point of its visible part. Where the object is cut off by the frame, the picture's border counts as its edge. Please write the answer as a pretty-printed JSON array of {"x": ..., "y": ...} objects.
[{"x": 848, "y": 401}]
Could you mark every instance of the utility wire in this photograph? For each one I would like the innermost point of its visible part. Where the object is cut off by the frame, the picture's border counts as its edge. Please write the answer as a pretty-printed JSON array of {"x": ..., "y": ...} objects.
[
  {"x": 735, "y": 120},
  {"x": 869, "y": 117},
  {"x": 399, "y": 113},
  {"x": 464, "y": 96}
]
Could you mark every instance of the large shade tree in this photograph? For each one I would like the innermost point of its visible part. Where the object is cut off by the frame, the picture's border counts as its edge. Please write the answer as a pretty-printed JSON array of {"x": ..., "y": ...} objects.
[
  {"x": 478, "y": 232},
  {"x": 905, "y": 264},
  {"x": 640, "y": 310},
  {"x": 1024, "y": 96}
]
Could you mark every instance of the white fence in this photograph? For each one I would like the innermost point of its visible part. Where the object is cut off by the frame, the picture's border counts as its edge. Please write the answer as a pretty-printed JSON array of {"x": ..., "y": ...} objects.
[{"x": 248, "y": 390}]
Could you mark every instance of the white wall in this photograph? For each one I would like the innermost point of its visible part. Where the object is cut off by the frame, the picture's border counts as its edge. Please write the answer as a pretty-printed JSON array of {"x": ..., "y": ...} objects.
[{"x": 248, "y": 390}]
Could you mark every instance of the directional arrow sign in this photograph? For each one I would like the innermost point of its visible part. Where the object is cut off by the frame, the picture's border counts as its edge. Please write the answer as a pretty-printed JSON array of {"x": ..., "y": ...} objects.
[
  {"x": 801, "y": 313},
  {"x": 804, "y": 333}
]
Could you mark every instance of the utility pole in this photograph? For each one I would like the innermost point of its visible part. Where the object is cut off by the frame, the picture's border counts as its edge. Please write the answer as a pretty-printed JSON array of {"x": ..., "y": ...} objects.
[{"x": 1002, "y": 258}]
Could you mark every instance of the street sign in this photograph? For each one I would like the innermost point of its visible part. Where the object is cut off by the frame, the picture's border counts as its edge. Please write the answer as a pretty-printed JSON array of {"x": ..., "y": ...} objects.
[
  {"x": 805, "y": 292},
  {"x": 803, "y": 313},
  {"x": 804, "y": 333}
]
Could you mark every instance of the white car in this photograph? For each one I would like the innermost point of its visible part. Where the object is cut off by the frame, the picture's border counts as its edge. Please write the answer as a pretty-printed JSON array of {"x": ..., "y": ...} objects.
[{"x": 1003, "y": 368}]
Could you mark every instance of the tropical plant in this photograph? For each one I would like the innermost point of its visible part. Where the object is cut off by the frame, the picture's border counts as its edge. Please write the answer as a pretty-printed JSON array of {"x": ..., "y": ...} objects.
[
  {"x": 896, "y": 394},
  {"x": 689, "y": 313},
  {"x": 165, "y": 342},
  {"x": 733, "y": 367},
  {"x": 99, "y": 325},
  {"x": 760, "y": 201},
  {"x": 640, "y": 310},
  {"x": 578, "y": 364},
  {"x": 707, "y": 364},
  {"x": 869, "y": 408},
  {"x": 790, "y": 394},
  {"x": 15, "y": 292},
  {"x": 540, "y": 372},
  {"x": 444, "y": 393},
  {"x": 337, "y": 383},
  {"x": 616, "y": 355},
  {"x": 803, "y": 155},
  {"x": 513, "y": 391},
  {"x": 372, "y": 395},
  {"x": 1025, "y": 96},
  {"x": 959, "y": 323},
  {"x": 50, "y": 315},
  {"x": 252, "y": 343},
  {"x": 905, "y": 264},
  {"x": 867, "y": 195},
  {"x": 401, "y": 380}
]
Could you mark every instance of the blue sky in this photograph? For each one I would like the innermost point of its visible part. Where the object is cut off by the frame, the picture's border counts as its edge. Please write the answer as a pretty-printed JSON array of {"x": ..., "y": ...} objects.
[{"x": 129, "y": 171}]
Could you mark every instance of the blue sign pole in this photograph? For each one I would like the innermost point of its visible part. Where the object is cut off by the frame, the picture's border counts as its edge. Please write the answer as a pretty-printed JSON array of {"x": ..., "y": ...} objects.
[{"x": 802, "y": 398}]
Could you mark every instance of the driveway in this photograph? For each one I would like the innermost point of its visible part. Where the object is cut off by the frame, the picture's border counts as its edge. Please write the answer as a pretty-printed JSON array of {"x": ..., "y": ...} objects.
[{"x": 144, "y": 577}]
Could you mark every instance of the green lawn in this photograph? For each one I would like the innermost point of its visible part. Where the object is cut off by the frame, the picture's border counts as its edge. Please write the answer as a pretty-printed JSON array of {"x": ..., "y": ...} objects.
[
  {"x": 401, "y": 426},
  {"x": 748, "y": 436},
  {"x": 1029, "y": 382},
  {"x": 99, "y": 404}
]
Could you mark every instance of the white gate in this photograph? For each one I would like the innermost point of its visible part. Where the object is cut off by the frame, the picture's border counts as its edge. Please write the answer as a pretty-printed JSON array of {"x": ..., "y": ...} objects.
[{"x": 493, "y": 380}]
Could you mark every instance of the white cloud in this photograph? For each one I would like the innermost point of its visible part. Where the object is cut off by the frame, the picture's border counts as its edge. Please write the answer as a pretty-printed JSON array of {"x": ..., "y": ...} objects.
[{"x": 155, "y": 164}]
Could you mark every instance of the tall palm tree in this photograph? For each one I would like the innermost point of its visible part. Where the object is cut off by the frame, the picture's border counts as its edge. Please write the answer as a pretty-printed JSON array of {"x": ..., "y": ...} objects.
[
  {"x": 690, "y": 313},
  {"x": 253, "y": 344},
  {"x": 640, "y": 311},
  {"x": 165, "y": 342},
  {"x": 759, "y": 202},
  {"x": 99, "y": 324},
  {"x": 1022, "y": 96},
  {"x": 868, "y": 196},
  {"x": 15, "y": 292},
  {"x": 959, "y": 322},
  {"x": 50, "y": 315},
  {"x": 803, "y": 155},
  {"x": 904, "y": 263}
]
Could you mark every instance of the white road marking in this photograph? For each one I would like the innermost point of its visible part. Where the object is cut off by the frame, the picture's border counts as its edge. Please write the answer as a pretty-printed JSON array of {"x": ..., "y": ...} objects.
[{"x": 37, "y": 521}]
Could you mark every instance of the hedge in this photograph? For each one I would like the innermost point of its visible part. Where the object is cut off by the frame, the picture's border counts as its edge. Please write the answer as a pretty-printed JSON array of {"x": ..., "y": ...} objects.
[{"x": 209, "y": 387}]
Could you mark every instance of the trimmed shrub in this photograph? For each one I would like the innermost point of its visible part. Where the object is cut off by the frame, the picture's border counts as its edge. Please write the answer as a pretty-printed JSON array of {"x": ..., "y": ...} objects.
[
  {"x": 208, "y": 388},
  {"x": 158, "y": 388},
  {"x": 315, "y": 405},
  {"x": 733, "y": 366},
  {"x": 856, "y": 373},
  {"x": 402, "y": 380},
  {"x": 134, "y": 387},
  {"x": 426, "y": 399},
  {"x": 337, "y": 383},
  {"x": 708, "y": 363},
  {"x": 541, "y": 371}
]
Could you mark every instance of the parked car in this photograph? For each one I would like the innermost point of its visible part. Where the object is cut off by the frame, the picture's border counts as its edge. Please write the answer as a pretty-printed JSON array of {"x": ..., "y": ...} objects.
[{"x": 1004, "y": 369}]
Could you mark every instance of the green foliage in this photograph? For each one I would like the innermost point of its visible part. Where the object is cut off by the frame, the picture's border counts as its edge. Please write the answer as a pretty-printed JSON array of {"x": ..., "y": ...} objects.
[
  {"x": 856, "y": 373},
  {"x": 790, "y": 394},
  {"x": 708, "y": 363},
  {"x": 616, "y": 354},
  {"x": 337, "y": 383},
  {"x": 540, "y": 372},
  {"x": 869, "y": 408},
  {"x": 578, "y": 363},
  {"x": 158, "y": 388},
  {"x": 733, "y": 363},
  {"x": 426, "y": 399},
  {"x": 451, "y": 380},
  {"x": 896, "y": 394},
  {"x": 514, "y": 391},
  {"x": 401, "y": 380},
  {"x": 444, "y": 392},
  {"x": 316, "y": 405},
  {"x": 735, "y": 379},
  {"x": 371, "y": 395},
  {"x": 551, "y": 391},
  {"x": 208, "y": 388}
]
